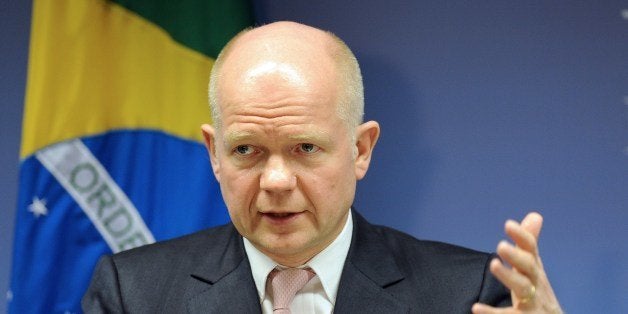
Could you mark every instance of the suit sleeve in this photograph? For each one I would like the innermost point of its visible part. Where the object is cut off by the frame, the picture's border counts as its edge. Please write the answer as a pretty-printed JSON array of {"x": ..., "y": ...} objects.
[
  {"x": 493, "y": 292},
  {"x": 103, "y": 294}
]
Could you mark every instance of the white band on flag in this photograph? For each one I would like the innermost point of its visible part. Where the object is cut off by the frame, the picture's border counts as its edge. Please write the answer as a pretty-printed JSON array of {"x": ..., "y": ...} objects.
[{"x": 102, "y": 200}]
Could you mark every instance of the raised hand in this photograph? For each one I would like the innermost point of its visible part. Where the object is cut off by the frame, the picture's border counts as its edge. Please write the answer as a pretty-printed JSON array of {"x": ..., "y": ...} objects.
[{"x": 526, "y": 278}]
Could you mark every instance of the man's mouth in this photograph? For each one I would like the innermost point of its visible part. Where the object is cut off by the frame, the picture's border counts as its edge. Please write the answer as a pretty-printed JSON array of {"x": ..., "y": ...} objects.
[
  {"x": 281, "y": 218},
  {"x": 280, "y": 215}
]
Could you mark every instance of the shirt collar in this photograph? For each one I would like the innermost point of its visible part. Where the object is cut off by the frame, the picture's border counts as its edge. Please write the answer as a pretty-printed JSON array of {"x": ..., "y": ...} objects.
[{"x": 327, "y": 264}]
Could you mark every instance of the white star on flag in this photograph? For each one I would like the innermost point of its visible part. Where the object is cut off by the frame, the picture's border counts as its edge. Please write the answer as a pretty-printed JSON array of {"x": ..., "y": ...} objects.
[{"x": 38, "y": 207}]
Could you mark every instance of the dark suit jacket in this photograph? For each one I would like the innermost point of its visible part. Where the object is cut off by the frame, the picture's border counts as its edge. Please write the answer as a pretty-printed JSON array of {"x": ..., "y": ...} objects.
[{"x": 386, "y": 271}]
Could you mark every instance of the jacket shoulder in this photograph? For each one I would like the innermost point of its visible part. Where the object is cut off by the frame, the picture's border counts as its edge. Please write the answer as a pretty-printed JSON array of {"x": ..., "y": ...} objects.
[
  {"x": 423, "y": 276},
  {"x": 407, "y": 246},
  {"x": 160, "y": 277},
  {"x": 199, "y": 243}
]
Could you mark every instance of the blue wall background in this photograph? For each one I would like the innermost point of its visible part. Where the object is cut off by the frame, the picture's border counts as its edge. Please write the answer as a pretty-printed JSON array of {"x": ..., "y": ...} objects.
[
  {"x": 14, "y": 37},
  {"x": 488, "y": 111}
]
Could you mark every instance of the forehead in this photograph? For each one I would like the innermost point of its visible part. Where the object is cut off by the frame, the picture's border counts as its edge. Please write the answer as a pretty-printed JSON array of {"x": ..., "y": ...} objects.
[
  {"x": 281, "y": 117},
  {"x": 280, "y": 106}
]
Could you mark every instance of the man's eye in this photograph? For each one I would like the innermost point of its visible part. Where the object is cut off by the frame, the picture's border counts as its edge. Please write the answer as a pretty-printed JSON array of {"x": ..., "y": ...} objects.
[
  {"x": 244, "y": 150},
  {"x": 308, "y": 148}
]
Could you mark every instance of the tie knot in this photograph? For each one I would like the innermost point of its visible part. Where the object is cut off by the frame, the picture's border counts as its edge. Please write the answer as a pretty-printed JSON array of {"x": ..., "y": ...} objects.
[{"x": 286, "y": 283}]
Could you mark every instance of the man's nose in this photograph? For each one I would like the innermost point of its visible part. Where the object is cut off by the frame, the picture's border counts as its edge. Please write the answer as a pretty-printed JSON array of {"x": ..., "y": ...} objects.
[{"x": 277, "y": 176}]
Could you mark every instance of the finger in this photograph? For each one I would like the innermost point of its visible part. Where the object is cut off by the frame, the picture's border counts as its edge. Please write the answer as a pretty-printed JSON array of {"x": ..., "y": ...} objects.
[
  {"x": 523, "y": 261},
  {"x": 533, "y": 223},
  {"x": 517, "y": 283},
  {"x": 479, "y": 308},
  {"x": 523, "y": 238}
]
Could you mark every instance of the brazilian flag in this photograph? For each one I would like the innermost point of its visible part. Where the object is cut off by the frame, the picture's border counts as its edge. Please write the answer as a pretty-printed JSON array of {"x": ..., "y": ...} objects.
[{"x": 111, "y": 154}]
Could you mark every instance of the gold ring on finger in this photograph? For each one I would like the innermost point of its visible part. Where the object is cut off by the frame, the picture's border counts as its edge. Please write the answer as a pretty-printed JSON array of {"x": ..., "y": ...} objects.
[{"x": 530, "y": 296}]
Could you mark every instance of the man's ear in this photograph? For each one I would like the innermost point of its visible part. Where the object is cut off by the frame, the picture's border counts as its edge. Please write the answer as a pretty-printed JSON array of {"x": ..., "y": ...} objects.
[
  {"x": 366, "y": 136},
  {"x": 209, "y": 134}
]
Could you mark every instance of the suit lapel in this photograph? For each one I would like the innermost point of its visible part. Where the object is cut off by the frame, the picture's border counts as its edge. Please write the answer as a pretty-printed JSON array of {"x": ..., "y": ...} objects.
[
  {"x": 222, "y": 283},
  {"x": 234, "y": 293},
  {"x": 370, "y": 269}
]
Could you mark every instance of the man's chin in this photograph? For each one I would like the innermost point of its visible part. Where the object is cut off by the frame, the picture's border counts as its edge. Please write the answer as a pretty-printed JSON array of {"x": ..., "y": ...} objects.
[{"x": 287, "y": 251}]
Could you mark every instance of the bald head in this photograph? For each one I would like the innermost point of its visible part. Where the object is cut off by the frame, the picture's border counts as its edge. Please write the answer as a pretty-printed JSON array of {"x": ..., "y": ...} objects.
[{"x": 292, "y": 52}]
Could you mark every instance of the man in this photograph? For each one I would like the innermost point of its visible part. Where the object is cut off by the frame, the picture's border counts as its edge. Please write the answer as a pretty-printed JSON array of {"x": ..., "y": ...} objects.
[{"x": 287, "y": 146}]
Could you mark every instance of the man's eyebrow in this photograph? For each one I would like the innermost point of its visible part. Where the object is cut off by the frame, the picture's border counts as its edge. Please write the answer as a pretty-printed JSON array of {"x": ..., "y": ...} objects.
[
  {"x": 238, "y": 136},
  {"x": 311, "y": 136}
]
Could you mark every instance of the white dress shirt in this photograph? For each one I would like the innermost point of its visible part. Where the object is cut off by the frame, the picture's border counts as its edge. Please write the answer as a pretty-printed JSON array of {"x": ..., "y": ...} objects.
[{"x": 319, "y": 294}]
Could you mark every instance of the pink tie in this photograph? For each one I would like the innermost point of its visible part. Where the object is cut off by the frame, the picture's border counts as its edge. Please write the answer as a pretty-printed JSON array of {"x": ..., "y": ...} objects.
[{"x": 286, "y": 283}]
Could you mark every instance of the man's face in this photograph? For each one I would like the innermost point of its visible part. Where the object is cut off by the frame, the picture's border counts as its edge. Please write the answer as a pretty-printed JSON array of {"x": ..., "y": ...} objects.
[{"x": 284, "y": 158}]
